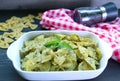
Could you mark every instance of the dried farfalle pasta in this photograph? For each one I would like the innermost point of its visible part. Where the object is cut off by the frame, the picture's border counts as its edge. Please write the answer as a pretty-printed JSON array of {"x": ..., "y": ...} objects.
[{"x": 13, "y": 27}]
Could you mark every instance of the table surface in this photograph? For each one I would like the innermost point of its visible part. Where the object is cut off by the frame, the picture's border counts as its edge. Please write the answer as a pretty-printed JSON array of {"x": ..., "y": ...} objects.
[{"x": 8, "y": 73}]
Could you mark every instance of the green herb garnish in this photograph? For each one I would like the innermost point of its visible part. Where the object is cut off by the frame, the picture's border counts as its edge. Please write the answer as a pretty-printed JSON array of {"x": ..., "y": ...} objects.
[{"x": 57, "y": 43}]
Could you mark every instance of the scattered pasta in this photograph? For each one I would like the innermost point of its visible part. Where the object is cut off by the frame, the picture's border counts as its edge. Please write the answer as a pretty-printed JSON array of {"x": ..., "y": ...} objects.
[
  {"x": 58, "y": 52},
  {"x": 13, "y": 28}
]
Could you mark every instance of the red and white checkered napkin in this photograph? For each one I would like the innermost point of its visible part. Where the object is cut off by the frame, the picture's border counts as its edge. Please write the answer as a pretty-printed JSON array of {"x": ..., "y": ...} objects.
[{"x": 61, "y": 19}]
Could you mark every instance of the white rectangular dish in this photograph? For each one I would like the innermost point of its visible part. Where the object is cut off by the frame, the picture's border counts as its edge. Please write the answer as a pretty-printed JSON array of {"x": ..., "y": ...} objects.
[{"x": 14, "y": 55}]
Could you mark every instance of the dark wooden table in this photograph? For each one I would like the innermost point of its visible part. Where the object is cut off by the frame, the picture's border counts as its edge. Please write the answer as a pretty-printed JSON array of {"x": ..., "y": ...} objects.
[{"x": 8, "y": 73}]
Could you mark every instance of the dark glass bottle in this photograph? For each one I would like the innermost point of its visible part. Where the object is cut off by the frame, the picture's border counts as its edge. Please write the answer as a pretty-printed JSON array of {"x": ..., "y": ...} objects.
[{"x": 92, "y": 15}]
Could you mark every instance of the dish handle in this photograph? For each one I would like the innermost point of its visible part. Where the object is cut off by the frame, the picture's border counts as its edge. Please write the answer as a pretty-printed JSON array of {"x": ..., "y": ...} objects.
[
  {"x": 107, "y": 50},
  {"x": 11, "y": 50}
]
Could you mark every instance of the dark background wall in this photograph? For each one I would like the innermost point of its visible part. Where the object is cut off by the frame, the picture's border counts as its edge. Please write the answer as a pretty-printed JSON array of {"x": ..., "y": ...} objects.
[
  {"x": 50, "y": 4},
  {"x": 42, "y": 4}
]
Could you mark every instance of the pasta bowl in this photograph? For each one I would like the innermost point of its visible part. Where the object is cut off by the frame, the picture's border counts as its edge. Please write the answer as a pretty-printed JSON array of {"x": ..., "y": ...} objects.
[{"x": 13, "y": 53}]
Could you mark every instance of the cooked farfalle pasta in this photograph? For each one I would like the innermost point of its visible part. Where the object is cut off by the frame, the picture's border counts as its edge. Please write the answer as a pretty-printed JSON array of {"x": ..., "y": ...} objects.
[{"x": 58, "y": 52}]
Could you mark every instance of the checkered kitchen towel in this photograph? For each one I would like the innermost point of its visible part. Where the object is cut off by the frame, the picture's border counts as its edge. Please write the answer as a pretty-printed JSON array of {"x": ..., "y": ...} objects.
[{"x": 61, "y": 19}]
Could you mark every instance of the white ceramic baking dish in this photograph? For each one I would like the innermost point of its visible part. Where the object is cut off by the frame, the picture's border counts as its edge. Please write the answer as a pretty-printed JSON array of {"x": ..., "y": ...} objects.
[{"x": 14, "y": 56}]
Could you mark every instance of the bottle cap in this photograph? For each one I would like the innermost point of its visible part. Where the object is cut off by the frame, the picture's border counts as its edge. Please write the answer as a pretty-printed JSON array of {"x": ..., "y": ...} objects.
[{"x": 111, "y": 11}]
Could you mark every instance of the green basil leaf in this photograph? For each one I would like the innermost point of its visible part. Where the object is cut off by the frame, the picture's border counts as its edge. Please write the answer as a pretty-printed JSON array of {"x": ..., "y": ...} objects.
[
  {"x": 48, "y": 44},
  {"x": 65, "y": 45},
  {"x": 57, "y": 38}
]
